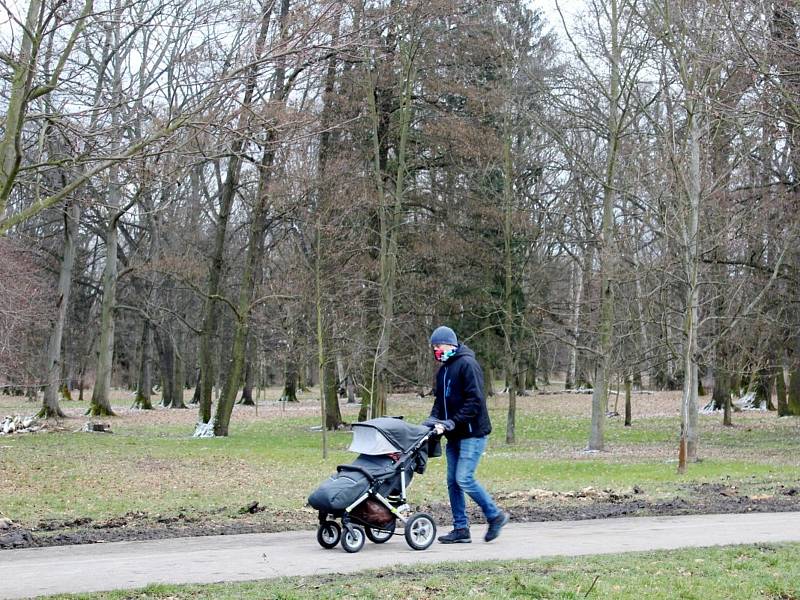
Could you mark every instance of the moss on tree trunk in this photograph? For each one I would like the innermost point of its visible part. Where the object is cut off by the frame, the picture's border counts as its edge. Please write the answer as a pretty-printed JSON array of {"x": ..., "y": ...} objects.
[
  {"x": 142, "y": 401},
  {"x": 47, "y": 412},
  {"x": 98, "y": 410}
]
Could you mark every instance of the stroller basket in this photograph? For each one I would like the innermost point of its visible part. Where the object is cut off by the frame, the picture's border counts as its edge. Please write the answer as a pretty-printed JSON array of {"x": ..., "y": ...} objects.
[{"x": 373, "y": 514}]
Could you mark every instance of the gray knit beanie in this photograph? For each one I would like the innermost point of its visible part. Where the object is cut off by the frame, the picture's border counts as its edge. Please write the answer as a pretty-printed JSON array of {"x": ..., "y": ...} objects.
[{"x": 444, "y": 335}]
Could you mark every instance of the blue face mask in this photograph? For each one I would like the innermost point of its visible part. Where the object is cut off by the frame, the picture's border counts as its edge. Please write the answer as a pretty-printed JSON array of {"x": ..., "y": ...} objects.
[{"x": 443, "y": 355}]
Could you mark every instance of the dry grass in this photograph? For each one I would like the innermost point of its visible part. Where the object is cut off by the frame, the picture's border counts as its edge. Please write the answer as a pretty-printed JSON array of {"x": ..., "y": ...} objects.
[
  {"x": 151, "y": 465},
  {"x": 652, "y": 411}
]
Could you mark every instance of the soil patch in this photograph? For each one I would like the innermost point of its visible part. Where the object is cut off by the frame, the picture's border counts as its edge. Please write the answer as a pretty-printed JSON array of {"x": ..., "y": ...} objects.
[{"x": 534, "y": 505}]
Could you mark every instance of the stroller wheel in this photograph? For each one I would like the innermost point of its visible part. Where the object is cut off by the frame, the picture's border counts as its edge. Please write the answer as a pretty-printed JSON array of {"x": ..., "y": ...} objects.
[
  {"x": 420, "y": 531},
  {"x": 380, "y": 536},
  {"x": 328, "y": 534},
  {"x": 353, "y": 541}
]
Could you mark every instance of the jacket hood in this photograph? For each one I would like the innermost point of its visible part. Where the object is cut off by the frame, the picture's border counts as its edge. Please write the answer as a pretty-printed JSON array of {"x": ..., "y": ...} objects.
[{"x": 462, "y": 350}]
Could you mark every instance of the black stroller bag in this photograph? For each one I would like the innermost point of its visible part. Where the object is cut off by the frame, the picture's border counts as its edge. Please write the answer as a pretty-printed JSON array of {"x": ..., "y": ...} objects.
[{"x": 346, "y": 486}]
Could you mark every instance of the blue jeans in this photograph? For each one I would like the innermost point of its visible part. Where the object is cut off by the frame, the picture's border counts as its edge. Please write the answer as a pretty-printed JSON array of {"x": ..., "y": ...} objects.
[{"x": 462, "y": 461}]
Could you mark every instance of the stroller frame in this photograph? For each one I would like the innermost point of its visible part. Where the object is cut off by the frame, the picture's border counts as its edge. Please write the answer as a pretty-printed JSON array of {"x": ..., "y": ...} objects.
[{"x": 420, "y": 528}]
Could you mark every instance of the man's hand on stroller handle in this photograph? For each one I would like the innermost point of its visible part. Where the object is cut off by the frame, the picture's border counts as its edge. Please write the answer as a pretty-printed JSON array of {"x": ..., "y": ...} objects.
[{"x": 438, "y": 425}]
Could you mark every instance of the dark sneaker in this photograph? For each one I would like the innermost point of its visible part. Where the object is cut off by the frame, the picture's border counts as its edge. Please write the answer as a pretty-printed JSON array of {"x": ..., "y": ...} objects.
[
  {"x": 495, "y": 525},
  {"x": 457, "y": 536}
]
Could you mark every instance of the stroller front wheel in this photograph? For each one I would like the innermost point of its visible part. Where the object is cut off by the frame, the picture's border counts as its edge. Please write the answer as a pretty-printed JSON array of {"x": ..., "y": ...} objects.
[
  {"x": 420, "y": 531},
  {"x": 353, "y": 538},
  {"x": 328, "y": 534}
]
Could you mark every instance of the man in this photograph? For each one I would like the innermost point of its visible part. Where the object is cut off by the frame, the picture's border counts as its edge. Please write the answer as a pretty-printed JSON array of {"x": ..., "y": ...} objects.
[{"x": 459, "y": 412}]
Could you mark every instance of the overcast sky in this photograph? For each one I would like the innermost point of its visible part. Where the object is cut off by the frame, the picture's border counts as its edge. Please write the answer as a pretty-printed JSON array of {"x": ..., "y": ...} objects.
[{"x": 548, "y": 8}]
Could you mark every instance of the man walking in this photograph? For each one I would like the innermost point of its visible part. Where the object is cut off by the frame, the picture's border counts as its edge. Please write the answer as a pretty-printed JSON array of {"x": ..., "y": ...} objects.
[{"x": 459, "y": 412}]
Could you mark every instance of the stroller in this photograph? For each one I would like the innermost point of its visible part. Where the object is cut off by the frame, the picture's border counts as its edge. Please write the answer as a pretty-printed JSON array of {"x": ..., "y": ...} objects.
[{"x": 369, "y": 495}]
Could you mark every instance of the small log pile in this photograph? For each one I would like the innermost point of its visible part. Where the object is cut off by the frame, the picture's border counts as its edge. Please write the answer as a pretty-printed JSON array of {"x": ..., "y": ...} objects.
[
  {"x": 18, "y": 424},
  {"x": 588, "y": 391},
  {"x": 92, "y": 427},
  {"x": 748, "y": 402}
]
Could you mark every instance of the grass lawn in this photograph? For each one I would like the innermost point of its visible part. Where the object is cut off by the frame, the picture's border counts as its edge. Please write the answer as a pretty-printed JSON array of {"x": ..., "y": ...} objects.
[
  {"x": 738, "y": 572},
  {"x": 151, "y": 464}
]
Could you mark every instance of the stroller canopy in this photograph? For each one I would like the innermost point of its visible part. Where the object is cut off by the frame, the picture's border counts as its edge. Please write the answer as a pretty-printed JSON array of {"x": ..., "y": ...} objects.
[{"x": 385, "y": 435}]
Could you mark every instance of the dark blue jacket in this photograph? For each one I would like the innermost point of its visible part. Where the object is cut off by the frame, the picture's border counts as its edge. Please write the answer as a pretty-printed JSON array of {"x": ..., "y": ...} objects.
[{"x": 460, "y": 397}]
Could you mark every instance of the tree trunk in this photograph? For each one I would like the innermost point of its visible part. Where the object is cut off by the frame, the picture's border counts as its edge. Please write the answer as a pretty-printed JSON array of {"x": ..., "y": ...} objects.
[
  {"x": 576, "y": 285},
  {"x": 389, "y": 210},
  {"x": 144, "y": 386},
  {"x": 312, "y": 375},
  {"x": 166, "y": 360},
  {"x": 736, "y": 379},
  {"x": 780, "y": 391},
  {"x": 584, "y": 374},
  {"x": 607, "y": 245},
  {"x": 290, "y": 382},
  {"x": 302, "y": 377},
  {"x": 325, "y": 374},
  {"x": 22, "y": 90},
  {"x": 531, "y": 374},
  {"x": 694, "y": 418},
  {"x": 341, "y": 374},
  {"x": 511, "y": 419},
  {"x": 643, "y": 342},
  {"x": 546, "y": 369},
  {"x": 329, "y": 400},
  {"x": 761, "y": 386},
  {"x": 255, "y": 247},
  {"x": 628, "y": 408},
  {"x": 521, "y": 380},
  {"x": 252, "y": 263},
  {"x": 50, "y": 407},
  {"x": 328, "y": 388},
  {"x": 197, "y": 391},
  {"x": 794, "y": 389},
  {"x": 21, "y": 83},
  {"x": 721, "y": 395},
  {"x": 247, "y": 388},
  {"x": 366, "y": 402},
  {"x": 333, "y": 415},
  {"x": 346, "y": 380},
  {"x": 689, "y": 409},
  {"x": 100, "y": 404},
  {"x": 227, "y": 195},
  {"x": 179, "y": 380},
  {"x": 509, "y": 316}
]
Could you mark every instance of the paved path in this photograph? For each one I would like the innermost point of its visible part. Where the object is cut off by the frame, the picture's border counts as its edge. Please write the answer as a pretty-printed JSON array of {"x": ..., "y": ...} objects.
[{"x": 124, "y": 565}]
